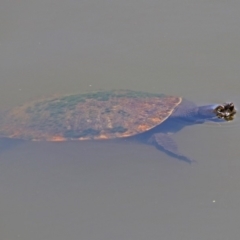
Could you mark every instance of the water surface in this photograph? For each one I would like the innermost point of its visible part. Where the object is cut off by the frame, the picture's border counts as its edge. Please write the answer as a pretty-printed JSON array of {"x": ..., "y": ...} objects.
[{"x": 121, "y": 190}]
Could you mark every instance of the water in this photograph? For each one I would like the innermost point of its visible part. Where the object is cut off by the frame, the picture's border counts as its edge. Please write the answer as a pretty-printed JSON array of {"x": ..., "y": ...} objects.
[{"x": 119, "y": 190}]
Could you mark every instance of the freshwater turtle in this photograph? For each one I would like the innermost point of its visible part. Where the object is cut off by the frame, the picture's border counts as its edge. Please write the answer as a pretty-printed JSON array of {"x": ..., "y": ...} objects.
[{"x": 147, "y": 117}]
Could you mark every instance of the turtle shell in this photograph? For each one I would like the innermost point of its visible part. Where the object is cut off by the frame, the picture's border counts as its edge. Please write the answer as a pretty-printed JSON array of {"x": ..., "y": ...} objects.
[{"x": 98, "y": 115}]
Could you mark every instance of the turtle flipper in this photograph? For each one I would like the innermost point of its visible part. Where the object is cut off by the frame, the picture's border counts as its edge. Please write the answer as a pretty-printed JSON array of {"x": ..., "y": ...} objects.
[{"x": 165, "y": 143}]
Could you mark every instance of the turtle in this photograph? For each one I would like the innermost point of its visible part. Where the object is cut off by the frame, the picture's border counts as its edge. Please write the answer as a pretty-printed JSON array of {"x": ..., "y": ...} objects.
[{"x": 125, "y": 114}]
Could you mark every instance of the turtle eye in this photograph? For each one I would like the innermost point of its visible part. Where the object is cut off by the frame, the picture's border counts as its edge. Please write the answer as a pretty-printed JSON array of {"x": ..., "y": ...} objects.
[
  {"x": 231, "y": 107},
  {"x": 219, "y": 108}
]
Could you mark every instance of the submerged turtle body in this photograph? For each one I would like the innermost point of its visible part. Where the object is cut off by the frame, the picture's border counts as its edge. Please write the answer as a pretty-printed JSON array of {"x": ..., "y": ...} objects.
[
  {"x": 109, "y": 115},
  {"x": 101, "y": 115}
]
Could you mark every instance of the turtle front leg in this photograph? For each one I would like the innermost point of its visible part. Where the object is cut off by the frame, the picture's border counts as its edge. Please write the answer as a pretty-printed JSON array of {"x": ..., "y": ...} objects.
[{"x": 166, "y": 144}]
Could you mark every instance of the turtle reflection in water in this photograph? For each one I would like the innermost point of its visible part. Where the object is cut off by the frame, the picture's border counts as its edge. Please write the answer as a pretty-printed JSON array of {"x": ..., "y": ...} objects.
[{"x": 149, "y": 118}]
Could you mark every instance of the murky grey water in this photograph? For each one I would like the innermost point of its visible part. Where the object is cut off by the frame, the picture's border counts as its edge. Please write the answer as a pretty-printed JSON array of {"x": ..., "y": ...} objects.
[{"x": 111, "y": 190}]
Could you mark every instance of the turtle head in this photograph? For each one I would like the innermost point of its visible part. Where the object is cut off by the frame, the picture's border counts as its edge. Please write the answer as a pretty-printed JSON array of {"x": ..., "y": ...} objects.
[{"x": 215, "y": 113}]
